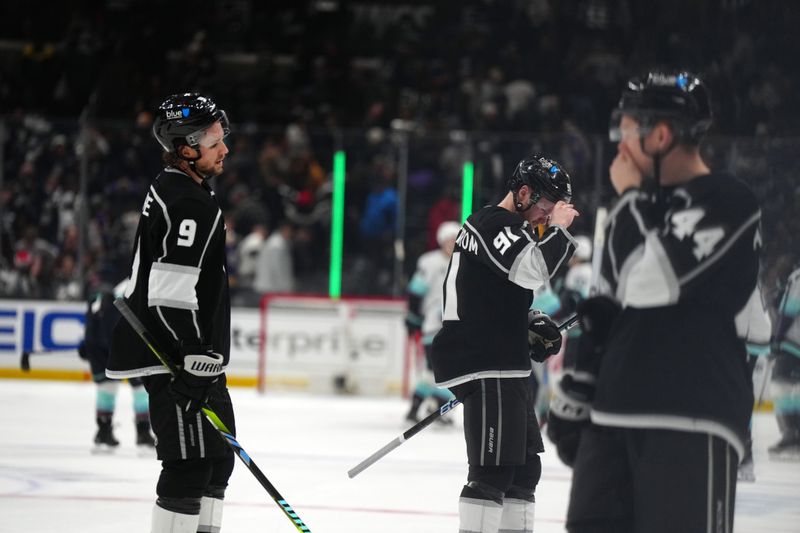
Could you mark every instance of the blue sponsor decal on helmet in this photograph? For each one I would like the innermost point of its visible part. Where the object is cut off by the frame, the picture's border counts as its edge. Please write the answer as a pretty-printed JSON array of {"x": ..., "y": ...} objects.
[
  {"x": 185, "y": 111},
  {"x": 682, "y": 81},
  {"x": 553, "y": 169}
]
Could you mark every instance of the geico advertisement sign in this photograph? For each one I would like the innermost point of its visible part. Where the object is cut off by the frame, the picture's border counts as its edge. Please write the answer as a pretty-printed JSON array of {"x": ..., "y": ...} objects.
[{"x": 27, "y": 325}]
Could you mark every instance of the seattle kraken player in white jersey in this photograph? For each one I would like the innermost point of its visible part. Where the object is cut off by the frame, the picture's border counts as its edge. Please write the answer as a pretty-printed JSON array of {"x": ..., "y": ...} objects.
[
  {"x": 482, "y": 354},
  {"x": 786, "y": 372},
  {"x": 425, "y": 313},
  {"x": 179, "y": 290},
  {"x": 662, "y": 367}
]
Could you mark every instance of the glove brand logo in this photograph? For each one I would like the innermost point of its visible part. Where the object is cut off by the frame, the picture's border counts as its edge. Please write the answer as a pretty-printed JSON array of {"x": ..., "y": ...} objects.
[
  {"x": 203, "y": 365},
  {"x": 491, "y": 440},
  {"x": 173, "y": 114},
  {"x": 211, "y": 369}
]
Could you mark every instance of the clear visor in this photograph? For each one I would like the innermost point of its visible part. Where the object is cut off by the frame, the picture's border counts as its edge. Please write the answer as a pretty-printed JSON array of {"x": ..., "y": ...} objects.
[
  {"x": 614, "y": 129},
  {"x": 617, "y": 131},
  {"x": 211, "y": 135}
]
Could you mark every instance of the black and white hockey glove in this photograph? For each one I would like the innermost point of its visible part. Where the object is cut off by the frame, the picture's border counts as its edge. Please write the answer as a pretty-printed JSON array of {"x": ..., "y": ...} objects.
[
  {"x": 569, "y": 413},
  {"x": 544, "y": 337},
  {"x": 192, "y": 386}
]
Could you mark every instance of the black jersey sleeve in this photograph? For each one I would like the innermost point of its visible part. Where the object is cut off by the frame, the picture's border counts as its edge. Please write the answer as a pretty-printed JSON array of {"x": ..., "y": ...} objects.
[
  {"x": 506, "y": 244},
  {"x": 183, "y": 234}
]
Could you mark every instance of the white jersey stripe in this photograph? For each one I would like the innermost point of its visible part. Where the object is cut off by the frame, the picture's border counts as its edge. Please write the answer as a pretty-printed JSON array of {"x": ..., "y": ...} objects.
[
  {"x": 173, "y": 285},
  {"x": 450, "y": 311},
  {"x": 210, "y": 235},
  {"x": 689, "y": 276},
  {"x": 166, "y": 219},
  {"x": 166, "y": 324}
]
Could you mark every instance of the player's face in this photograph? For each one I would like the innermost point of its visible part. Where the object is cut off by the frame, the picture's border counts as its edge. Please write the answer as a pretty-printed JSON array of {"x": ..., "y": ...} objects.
[
  {"x": 540, "y": 212},
  {"x": 212, "y": 151}
]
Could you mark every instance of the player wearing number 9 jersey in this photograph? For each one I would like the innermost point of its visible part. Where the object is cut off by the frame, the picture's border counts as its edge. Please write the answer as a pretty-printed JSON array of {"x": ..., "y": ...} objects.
[
  {"x": 481, "y": 352},
  {"x": 179, "y": 290}
]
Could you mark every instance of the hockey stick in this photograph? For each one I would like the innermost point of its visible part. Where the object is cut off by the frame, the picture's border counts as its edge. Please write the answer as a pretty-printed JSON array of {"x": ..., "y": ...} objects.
[
  {"x": 425, "y": 422},
  {"x": 25, "y": 358},
  {"x": 212, "y": 417},
  {"x": 598, "y": 242},
  {"x": 767, "y": 374}
]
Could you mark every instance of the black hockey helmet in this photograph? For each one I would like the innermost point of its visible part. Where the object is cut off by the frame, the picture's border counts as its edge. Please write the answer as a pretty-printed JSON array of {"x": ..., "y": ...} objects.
[
  {"x": 546, "y": 177},
  {"x": 677, "y": 97},
  {"x": 182, "y": 119}
]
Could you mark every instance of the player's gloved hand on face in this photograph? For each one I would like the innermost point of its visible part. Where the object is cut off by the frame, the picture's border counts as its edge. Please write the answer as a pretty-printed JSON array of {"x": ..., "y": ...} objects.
[
  {"x": 544, "y": 337},
  {"x": 569, "y": 413},
  {"x": 191, "y": 387}
]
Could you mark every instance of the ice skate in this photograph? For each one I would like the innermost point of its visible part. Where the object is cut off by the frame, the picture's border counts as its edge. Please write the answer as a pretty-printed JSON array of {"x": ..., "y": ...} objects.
[
  {"x": 787, "y": 449},
  {"x": 747, "y": 470},
  {"x": 145, "y": 443},
  {"x": 746, "y": 467},
  {"x": 104, "y": 441}
]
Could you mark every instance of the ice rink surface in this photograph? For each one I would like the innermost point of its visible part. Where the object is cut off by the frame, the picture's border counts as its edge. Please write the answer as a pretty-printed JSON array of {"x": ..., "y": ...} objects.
[{"x": 49, "y": 480}]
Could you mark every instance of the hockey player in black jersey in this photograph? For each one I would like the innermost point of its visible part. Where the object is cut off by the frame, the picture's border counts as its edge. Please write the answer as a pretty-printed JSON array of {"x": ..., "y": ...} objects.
[
  {"x": 179, "y": 290},
  {"x": 482, "y": 351},
  {"x": 654, "y": 415}
]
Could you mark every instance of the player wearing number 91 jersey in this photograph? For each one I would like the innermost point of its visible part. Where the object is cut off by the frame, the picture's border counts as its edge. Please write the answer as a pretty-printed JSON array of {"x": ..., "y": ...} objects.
[{"x": 482, "y": 354}]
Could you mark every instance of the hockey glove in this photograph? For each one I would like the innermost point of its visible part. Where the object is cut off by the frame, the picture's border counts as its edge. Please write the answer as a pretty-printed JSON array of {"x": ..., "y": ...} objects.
[
  {"x": 191, "y": 387},
  {"x": 544, "y": 338},
  {"x": 569, "y": 413}
]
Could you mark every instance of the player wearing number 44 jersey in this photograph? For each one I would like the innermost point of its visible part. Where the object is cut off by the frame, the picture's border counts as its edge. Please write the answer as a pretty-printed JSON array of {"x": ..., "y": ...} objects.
[
  {"x": 482, "y": 352},
  {"x": 654, "y": 415},
  {"x": 179, "y": 290}
]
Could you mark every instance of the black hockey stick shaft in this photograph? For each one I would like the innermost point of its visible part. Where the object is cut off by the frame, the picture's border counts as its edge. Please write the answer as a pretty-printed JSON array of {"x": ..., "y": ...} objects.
[
  {"x": 25, "y": 357},
  {"x": 212, "y": 417},
  {"x": 425, "y": 422}
]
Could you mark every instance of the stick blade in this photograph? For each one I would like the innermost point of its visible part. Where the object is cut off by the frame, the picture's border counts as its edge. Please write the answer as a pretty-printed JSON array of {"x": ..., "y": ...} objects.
[{"x": 25, "y": 361}]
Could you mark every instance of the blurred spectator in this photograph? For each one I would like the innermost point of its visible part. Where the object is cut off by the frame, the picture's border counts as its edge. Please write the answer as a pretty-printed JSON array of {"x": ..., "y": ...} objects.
[
  {"x": 447, "y": 207},
  {"x": 247, "y": 253},
  {"x": 33, "y": 261},
  {"x": 274, "y": 265},
  {"x": 377, "y": 228},
  {"x": 66, "y": 283}
]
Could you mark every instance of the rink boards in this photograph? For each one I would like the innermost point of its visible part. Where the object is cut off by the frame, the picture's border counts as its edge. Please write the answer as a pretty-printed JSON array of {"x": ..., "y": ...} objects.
[{"x": 308, "y": 346}]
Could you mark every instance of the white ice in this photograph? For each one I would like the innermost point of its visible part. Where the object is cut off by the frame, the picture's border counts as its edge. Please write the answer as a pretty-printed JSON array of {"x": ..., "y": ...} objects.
[{"x": 49, "y": 480}]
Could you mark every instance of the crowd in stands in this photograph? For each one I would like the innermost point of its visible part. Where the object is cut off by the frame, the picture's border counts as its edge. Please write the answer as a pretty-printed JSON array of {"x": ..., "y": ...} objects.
[{"x": 488, "y": 81}]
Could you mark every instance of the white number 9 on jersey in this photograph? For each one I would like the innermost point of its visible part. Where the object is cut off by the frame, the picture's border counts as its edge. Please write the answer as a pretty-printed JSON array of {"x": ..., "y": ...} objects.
[{"x": 186, "y": 232}]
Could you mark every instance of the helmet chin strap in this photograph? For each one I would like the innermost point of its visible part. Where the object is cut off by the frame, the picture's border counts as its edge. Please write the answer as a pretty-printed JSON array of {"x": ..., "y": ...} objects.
[
  {"x": 657, "y": 158},
  {"x": 191, "y": 162}
]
